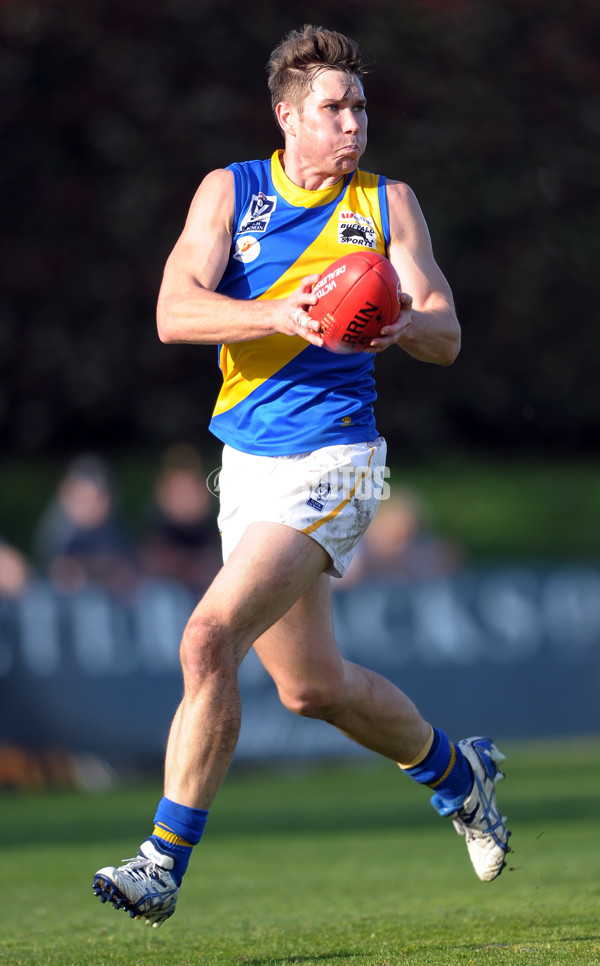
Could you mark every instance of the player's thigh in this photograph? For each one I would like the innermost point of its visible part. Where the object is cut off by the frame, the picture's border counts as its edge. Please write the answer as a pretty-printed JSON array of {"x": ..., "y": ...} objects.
[
  {"x": 270, "y": 568},
  {"x": 300, "y": 651}
]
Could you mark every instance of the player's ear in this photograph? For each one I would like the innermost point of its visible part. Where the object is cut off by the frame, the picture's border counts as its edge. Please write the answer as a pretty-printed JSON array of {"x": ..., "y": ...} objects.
[{"x": 286, "y": 115}]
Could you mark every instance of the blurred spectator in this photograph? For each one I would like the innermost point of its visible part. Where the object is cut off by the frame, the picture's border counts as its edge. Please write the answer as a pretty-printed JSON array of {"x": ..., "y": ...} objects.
[
  {"x": 399, "y": 544},
  {"x": 181, "y": 541},
  {"x": 80, "y": 538},
  {"x": 15, "y": 571}
]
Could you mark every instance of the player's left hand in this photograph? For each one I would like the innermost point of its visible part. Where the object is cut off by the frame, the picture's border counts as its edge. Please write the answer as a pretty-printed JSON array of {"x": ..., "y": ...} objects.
[{"x": 391, "y": 334}]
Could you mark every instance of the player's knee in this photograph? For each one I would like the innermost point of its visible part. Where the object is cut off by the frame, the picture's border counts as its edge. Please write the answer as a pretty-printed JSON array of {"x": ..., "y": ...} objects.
[
  {"x": 313, "y": 700},
  {"x": 204, "y": 650}
]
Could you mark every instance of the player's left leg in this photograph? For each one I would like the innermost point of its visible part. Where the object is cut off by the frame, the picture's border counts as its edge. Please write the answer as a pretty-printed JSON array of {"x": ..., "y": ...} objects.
[{"x": 313, "y": 679}]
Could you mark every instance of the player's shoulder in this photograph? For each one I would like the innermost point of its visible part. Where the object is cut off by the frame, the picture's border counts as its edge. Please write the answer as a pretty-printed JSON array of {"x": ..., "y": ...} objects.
[
  {"x": 216, "y": 193},
  {"x": 249, "y": 165},
  {"x": 213, "y": 200},
  {"x": 214, "y": 189},
  {"x": 240, "y": 175},
  {"x": 399, "y": 191},
  {"x": 219, "y": 179},
  {"x": 403, "y": 206}
]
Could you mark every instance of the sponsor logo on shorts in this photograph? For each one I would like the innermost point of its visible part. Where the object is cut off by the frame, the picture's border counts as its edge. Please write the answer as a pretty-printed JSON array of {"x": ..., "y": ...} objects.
[
  {"x": 351, "y": 482},
  {"x": 319, "y": 494}
]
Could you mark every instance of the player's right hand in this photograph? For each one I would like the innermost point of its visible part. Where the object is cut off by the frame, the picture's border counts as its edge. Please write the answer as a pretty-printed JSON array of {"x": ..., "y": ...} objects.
[{"x": 290, "y": 316}]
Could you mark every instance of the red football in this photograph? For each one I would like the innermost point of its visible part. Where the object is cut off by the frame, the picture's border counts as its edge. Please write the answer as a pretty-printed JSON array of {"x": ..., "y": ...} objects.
[{"x": 358, "y": 294}]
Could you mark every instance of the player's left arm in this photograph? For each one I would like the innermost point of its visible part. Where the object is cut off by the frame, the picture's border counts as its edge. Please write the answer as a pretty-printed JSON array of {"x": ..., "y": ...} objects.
[{"x": 427, "y": 327}]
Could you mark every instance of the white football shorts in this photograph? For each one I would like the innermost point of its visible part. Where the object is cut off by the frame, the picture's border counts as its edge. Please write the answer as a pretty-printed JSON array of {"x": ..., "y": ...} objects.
[{"x": 330, "y": 494}]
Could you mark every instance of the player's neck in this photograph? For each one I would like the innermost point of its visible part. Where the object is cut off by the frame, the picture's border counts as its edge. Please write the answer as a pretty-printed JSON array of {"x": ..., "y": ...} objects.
[{"x": 305, "y": 175}]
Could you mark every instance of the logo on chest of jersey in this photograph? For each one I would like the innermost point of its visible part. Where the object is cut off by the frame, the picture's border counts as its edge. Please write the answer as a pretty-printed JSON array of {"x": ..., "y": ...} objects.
[
  {"x": 355, "y": 229},
  {"x": 246, "y": 249},
  {"x": 259, "y": 213}
]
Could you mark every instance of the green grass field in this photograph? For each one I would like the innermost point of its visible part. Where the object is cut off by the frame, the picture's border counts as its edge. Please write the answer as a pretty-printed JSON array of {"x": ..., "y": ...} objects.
[{"x": 327, "y": 865}]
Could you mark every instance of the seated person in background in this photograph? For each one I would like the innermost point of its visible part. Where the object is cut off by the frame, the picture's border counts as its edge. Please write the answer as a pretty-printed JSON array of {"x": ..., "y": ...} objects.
[
  {"x": 181, "y": 540},
  {"x": 80, "y": 539},
  {"x": 399, "y": 544}
]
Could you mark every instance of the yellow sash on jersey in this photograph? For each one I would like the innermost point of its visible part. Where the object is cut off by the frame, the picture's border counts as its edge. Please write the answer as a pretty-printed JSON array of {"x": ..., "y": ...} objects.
[{"x": 247, "y": 365}]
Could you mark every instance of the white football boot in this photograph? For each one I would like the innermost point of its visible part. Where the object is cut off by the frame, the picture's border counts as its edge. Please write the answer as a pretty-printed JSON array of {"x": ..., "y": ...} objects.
[
  {"x": 477, "y": 816},
  {"x": 143, "y": 886}
]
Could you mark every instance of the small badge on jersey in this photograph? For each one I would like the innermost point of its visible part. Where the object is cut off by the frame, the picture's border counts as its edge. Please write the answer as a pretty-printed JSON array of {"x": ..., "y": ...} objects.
[
  {"x": 246, "y": 249},
  {"x": 318, "y": 495},
  {"x": 259, "y": 213},
  {"x": 355, "y": 229}
]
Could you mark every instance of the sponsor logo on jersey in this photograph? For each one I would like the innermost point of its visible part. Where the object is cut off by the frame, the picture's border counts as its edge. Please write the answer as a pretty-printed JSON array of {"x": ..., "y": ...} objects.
[
  {"x": 246, "y": 249},
  {"x": 355, "y": 229},
  {"x": 259, "y": 213}
]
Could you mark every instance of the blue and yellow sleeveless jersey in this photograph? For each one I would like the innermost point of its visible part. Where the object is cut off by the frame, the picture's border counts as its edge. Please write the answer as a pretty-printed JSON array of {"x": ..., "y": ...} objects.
[{"x": 281, "y": 395}]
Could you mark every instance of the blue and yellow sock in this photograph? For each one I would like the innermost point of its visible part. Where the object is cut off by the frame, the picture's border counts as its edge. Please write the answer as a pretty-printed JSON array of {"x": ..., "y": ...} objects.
[
  {"x": 442, "y": 766},
  {"x": 177, "y": 829}
]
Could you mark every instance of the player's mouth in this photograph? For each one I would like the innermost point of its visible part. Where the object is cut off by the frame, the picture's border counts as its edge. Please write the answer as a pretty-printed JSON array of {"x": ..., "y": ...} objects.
[{"x": 353, "y": 149}]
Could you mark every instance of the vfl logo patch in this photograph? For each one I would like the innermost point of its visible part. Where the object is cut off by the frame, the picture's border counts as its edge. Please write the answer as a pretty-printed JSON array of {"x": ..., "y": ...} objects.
[
  {"x": 355, "y": 229},
  {"x": 319, "y": 494},
  {"x": 259, "y": 213}
]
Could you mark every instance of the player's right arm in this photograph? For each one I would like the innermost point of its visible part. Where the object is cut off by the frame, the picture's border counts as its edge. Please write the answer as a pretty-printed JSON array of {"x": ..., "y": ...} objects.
[{"x": 189, "y": 309}]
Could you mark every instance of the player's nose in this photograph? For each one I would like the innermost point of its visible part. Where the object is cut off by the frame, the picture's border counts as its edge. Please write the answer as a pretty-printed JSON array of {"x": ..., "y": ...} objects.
[{"x": 350, "y": 121}]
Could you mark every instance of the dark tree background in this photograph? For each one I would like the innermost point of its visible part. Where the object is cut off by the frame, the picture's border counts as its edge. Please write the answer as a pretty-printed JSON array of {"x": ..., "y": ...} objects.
[{"x": 112, "y": 112}]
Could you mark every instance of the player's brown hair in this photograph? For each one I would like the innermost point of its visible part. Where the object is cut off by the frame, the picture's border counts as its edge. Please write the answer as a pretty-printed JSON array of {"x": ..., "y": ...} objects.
[{"x": 292, "y": 64}]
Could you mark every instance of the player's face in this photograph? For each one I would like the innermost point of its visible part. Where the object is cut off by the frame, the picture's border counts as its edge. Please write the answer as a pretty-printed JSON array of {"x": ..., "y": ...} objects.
[{"x": 331, "y": 129}]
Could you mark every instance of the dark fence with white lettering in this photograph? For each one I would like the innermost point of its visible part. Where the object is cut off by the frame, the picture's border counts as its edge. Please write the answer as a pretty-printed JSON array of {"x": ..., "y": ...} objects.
[{"x": 511, "y": 651}]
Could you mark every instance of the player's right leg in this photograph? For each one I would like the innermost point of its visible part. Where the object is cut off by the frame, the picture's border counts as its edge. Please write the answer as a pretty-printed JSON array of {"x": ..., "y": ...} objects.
[{"x": 270, "y": 568}]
